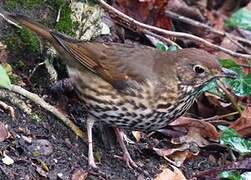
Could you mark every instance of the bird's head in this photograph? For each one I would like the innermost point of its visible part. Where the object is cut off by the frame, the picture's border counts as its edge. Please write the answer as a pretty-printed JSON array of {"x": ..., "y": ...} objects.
[{"x": 196, "y": 68}]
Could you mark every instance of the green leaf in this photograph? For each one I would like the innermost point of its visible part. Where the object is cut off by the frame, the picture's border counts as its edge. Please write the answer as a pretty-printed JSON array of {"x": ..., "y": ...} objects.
[
  {"x": 228, "y": 63},
  {"x": 4, "y": 79},
  {"x": 231, "y": 175},
  {"x": 231, "y": 138},
  {"x": 240, "y": 19},
  {"x": 163, "y": 47},
  {"x": 240, "y": 85}
]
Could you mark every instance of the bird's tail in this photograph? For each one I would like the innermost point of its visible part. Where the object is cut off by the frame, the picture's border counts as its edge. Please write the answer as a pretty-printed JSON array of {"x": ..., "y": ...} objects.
[{"x": 39, "y": 29}]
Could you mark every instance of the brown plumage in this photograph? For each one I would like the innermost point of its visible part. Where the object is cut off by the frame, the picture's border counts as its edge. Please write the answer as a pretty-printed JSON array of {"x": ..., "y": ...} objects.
[{"x": 130, "y": 86}]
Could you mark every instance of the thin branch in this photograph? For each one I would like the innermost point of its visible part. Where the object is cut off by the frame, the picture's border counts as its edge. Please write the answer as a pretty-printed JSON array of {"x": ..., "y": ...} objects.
[
  {"x": 221, "y": 116},
  {"x": 139, "y": 27},
  {"x": 39, "y": 101},
  {"x": 230, "y": 96},
  {"x": 202, "y": 25},
  {"x": 9, "y": 21},
  {"x": 168, "y": 41},
  {"x": 8, "y": 109}
]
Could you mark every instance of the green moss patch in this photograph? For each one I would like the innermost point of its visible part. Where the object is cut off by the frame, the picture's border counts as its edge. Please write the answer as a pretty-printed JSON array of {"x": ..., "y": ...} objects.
[
  {"x": 12, "y": 4},
  {"x": 22, "y": 40}
]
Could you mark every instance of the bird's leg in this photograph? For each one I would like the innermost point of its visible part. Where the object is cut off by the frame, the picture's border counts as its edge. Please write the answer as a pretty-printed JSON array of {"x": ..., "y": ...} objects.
[
  {"x": 126, "y": 156},
  {"x": 91, "y": 161}
]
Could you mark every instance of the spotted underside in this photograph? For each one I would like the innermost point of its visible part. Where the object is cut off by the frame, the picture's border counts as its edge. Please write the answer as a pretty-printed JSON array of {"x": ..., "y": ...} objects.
[{"x": 141, "y": 110}]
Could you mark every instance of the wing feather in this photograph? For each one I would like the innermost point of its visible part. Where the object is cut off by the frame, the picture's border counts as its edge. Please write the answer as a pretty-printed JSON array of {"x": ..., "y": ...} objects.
[{"x": 124, "y": 67}]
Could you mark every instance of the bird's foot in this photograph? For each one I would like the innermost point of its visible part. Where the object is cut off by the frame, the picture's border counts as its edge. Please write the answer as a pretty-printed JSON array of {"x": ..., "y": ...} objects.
[
  {"x": 127, "y": 139},
  {"x": 92, "y": 164},
  {"x": 128, "y": 160}
]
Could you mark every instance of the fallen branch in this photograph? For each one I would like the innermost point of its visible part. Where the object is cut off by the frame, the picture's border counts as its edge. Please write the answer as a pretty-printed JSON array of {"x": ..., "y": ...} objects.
[
  {"x": 15, "y": 100},
  {"x": 137, "y": 26},
  {"x": 39, "y": 101},
  {"x": 202, "y": 25},
  {"x": 214, "y": 172}
]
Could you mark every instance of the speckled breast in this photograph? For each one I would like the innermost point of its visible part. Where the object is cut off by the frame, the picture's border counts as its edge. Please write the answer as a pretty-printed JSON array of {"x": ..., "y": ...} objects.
[{"x": 135, "y": 111}]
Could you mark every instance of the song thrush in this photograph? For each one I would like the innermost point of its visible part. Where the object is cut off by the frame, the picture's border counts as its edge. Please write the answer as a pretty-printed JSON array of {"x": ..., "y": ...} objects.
[{"x": 130, "y": 86}]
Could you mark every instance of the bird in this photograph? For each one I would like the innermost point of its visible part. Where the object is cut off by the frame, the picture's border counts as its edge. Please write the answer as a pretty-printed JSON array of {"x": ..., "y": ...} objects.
[{"x": 129, "y": 86}]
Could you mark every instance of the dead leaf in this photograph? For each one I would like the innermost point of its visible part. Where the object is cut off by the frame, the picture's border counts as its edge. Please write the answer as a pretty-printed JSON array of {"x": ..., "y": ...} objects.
[
  {"x": 168, "y": 174},
  {"x": 194, "y": 135},
  {"x": 7, "y": 159},
  {"x": 136, "y": 135},
  {"x": 79, "y": 174},
  {"x": 205, "y": 129},
  {"x": 170, "y": 151},
  {"x": 147, "y": 11},
  {"x": 197, "y": 131},
  {"x": 243, "y": 124},
  {"x": 4, "y": 133},
  {"x": 178, "y": 155}
]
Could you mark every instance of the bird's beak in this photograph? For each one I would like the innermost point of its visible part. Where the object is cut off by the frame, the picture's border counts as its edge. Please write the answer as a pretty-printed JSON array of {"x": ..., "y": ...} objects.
[{"x": 229, "y": 73}]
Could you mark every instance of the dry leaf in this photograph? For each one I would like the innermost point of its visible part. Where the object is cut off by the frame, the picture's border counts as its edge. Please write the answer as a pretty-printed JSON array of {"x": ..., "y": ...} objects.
[
  {"x": 4, "y": 133},
  {"x": 205, "y": 129},
  {"x": 79, "y": 174},
  {"x": 7, "y": 160},
  {"x": 136, "y": 135},
  {"x": 194, "y": 135},
  {"x": 243, "y": 124},
  {"x": 168, "y": 174},
  {"x": 178, "y": 155},
  {"x": 148, "y": 11}
]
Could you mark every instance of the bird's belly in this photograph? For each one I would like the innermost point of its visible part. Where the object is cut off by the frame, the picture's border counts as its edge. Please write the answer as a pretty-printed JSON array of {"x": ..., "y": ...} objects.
[
  {"x": 119, "y": 110},
  {"x": 108, "y": 105}
]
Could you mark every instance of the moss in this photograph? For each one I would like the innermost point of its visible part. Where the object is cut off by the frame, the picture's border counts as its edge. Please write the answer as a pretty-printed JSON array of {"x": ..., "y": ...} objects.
[
  {"x": 22, "y": 40},
  {"x": 12, "y": 4},
  {"x": 65, "y": 23},
  {"x": 37, "y": 117}
]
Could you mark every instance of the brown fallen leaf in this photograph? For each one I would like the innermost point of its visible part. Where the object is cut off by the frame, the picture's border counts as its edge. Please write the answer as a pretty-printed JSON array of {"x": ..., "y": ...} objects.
[
  {"x": 147, "y": 11},
  {"x": 168, "y": 174},
  {"x": 194, "y": 135},
  {"x": 4, "y": 133},
  {"x": 136, "y": 135},
  {"x": 205, "y": 129},
  {"x": 243, "y": 124},
  {"x": 197, "y": 132},
  {"x": 178, "y": 155},
  {"x": 79, "y": 174}
]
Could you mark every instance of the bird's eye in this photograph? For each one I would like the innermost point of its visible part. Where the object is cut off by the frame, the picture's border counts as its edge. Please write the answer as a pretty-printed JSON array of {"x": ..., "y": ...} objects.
[{"x": 198, "y": 69}]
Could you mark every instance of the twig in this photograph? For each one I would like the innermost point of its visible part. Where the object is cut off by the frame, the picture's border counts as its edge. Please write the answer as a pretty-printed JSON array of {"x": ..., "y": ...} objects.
[
  {"x": 139, "y": 27},
  {"x": 222, "y": 116},
  {"x": 168, "y": 41},
  {"x": 238, "y": 44},
  {"x": 202, "y": 25},
  {"x": 8, "y": 108},
  {"x": 59, "y": 14},
  {"x": 212, "y": 173},
  {"x": 230, "y": 96},
  {"x": 35, "y": 69},
  {"x": 39, "y": 101},
  {"x": 9, "y": 21},
  {"x": 15, "y": 100}
]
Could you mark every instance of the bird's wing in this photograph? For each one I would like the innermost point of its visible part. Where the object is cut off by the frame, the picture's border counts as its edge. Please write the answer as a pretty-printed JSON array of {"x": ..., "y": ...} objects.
[{"x": 123, "y": 66}]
